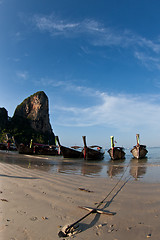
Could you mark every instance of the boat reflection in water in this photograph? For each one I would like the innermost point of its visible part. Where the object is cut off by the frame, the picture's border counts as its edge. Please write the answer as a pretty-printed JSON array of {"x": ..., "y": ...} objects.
[
  {"x": 69, "y": 166},
  {"x": 115, "y": 168},
  {"x": 132, "y": 167},
  {"x": 138, "y": 168},
  {"x": 91, "y": 169},
  {"x": 79, "y": 167}
]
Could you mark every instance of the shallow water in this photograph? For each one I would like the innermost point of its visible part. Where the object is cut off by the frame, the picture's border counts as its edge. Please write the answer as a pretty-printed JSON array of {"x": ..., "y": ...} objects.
[{"x": 147, "y": 169}]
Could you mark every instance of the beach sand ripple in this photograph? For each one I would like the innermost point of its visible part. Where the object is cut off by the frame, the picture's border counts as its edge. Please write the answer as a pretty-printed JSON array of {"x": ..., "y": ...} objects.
[{"x": 35, "y": 205}]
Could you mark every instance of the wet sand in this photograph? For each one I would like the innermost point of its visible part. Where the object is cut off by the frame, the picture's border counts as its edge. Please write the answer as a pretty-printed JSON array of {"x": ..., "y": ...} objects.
[{"x": 34, "y": 205}]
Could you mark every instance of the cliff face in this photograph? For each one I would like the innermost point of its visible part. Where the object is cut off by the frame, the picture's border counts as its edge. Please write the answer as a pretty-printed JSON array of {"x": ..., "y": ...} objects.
[
  {"x": 30, "y": 121},
  {"x": 35, "y": 109},
  {"x": 3, "y": 118}
]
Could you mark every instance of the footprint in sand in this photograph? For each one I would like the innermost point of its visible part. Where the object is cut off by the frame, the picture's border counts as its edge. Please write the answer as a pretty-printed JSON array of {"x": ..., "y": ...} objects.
[{"x": 33, "y": 218}]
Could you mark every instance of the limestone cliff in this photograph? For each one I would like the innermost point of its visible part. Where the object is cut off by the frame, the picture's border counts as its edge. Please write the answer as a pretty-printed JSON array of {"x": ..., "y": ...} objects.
[
  {"x": 3, "y": 118},
  {"x": 35, "y": 109},
  {"x": 32, "y": 118}
]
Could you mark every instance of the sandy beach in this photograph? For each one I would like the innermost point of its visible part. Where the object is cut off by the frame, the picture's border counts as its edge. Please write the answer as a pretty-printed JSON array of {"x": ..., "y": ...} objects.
[{"x": 34, "y": 205}]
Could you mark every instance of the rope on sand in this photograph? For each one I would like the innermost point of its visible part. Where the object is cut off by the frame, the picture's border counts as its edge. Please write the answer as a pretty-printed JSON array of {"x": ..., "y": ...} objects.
[{"x": 68, "y": 229}]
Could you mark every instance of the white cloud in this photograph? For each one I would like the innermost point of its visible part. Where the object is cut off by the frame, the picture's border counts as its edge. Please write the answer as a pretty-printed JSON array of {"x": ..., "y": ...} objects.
[
  {"x": 57, "y": 26},
  {"x": 149, "y": 44},
  {"x": 103, "y": 35},
  {"x": 100, "y": 35},
  {"x": 68, "y": 85},
  {"x": 18, "y": 36},
  {"x": 121, "y": 112},
  {"x": 22, "y": 74},
  {"x": 54, "y": 25},
  {"x": 51, "y": 82},
  {"x": 16, "y": 59},
  {"x": 148, "y": 61}
]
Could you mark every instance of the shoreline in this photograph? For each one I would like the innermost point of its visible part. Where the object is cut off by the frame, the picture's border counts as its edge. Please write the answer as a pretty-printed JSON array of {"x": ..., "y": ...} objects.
[
  {"x": 143, "y": 170},
  {"x": 36, "y": 204}
]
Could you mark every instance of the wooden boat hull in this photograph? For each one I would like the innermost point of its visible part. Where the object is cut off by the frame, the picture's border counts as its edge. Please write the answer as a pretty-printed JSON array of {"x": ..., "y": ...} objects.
[
  {"x": 116, "y": 153},
  {"x": 37, "y": 150},
  {"x": 70, "y": 153},
  {"x": 46, "y": 151},
  {"x": 139, "y": 151},
  {"x": 67, "y": 152},
  {"x": 92, "y": 154},
  {"x": 3, "y": 146},
  {"x": 22, "y": 149}
]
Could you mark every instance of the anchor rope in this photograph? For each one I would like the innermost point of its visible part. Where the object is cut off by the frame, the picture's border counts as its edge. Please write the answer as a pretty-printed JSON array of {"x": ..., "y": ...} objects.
[{"x": 99, "y": 204}]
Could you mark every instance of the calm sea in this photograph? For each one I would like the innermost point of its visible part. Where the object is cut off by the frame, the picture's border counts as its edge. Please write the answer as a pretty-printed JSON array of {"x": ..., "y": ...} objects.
[{"x": 147, "y": 169}]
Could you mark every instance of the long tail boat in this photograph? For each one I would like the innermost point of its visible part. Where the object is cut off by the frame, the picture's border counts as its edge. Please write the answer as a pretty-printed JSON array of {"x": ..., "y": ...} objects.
[
  {"x": 93, "y": 152},
  {"x": 25, "y": 149},
  {"x": 139, "y": 151},
  {"x": 116, "y": 152},
  {"x": 8, "y": 146},
  {"x": 44, "y": 149},
  {"x": 37, "y": 149},
  {"x": 3, "y": 146},
  {"x": 67, "y": 152}
]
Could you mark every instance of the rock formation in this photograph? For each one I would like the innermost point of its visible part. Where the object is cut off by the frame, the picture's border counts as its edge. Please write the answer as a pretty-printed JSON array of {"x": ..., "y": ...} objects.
[
  {"x": 30, "y": 121},
  {"x": 35, "y": 109},
  {"x": 3, "y": 118}
]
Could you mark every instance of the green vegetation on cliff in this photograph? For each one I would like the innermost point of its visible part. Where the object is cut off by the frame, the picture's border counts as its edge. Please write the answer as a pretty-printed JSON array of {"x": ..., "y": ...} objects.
[{"x": 20, "y": 129}]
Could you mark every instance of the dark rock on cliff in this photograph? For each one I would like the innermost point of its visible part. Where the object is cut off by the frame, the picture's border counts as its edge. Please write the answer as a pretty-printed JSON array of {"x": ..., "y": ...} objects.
[
  {"x": 3, "y": 118},
  {"x": 32, "y": 118}
]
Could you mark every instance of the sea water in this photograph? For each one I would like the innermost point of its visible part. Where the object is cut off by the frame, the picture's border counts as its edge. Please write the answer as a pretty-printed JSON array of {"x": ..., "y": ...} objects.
[{"x": 147, "y": 169}]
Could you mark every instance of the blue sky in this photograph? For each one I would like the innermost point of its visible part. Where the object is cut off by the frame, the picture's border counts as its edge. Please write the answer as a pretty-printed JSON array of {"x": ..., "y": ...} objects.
[{"x": 97, "y": 61}]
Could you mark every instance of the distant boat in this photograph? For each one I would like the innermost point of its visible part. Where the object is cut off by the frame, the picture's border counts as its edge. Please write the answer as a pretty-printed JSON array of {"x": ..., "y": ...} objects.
[
  {"x": 25, "y": 149},
  {"x": 139, "y": 151},
  {"x": 3, "y": 146},
  {"x": 37, "y": 149},
  {"x": 8, "y": 146},
  {"x": 71, "y": 152},
  {"x": 116, "y": 152},
  {"x": 44, "y": 149},
  {"x": 93, "y": 152}
]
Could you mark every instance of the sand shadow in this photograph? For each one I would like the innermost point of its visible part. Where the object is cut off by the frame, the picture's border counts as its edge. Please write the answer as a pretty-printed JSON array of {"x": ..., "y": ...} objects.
[
  {"x": 9, "y": 176},
  {"x": 84, "y": 226},
  {"x": 108, "y": 203},
  {"x": 81, "y": 227}
]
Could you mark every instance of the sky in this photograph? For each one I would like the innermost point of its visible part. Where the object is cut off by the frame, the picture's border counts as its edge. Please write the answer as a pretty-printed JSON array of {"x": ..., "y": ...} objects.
[{"x": 97, "y": 61}]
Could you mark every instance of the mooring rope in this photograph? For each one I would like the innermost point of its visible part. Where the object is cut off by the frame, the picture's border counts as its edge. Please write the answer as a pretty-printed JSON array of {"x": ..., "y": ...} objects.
[
  {"x": 100, "y": 203},
  {"x": 94, "y": 210}
]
